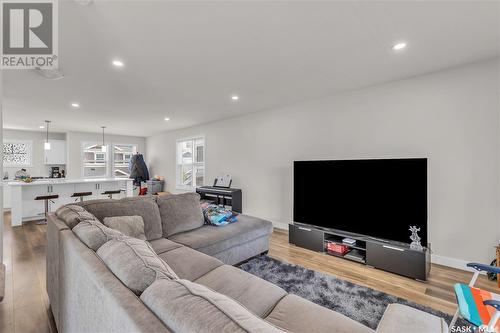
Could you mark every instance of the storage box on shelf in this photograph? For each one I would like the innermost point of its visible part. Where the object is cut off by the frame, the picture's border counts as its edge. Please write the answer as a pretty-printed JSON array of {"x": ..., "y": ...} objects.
[{"x": 337, "y": 246}]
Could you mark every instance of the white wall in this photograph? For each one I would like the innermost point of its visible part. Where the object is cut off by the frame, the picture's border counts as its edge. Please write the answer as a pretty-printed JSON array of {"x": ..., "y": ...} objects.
[
  {"x": 38, "y": 168},
  {"x": 450, "y": 117},
  {"x": 75, "y": 139}
]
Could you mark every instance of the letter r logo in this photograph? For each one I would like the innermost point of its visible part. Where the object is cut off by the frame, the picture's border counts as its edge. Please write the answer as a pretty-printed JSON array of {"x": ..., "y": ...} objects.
[{"x": 27, "y": 28}]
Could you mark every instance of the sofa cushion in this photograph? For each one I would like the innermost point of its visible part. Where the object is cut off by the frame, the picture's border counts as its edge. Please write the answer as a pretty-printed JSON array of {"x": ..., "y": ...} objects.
[
  {"x": 189, "y": 264},
  {"x": 132, "y": 226},
  {"x": 161, "y": 245},
  {"x": 94, "y": 234},
  {"x": 134, "y": 262},
  {"x": 402, "y": 318},
  {"x": 71, "y": 214},
  {"x": 180, "y": 212},
  {"x": 241, "y": 252},
  {"x": 296, "y": 314},
  {"x": 187, "y": 307},
  {"x": 211, "y": 239},
  {"x": 257, "y": 295},
  {"x": 145, "y": 207}
]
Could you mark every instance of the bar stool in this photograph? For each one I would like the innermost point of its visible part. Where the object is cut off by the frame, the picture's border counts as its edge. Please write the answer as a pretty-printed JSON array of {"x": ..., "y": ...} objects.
[
  {"x": 80, "y": 195},
  {"x": 46, "y": 199},
  {"x": 110, "y": 193}
]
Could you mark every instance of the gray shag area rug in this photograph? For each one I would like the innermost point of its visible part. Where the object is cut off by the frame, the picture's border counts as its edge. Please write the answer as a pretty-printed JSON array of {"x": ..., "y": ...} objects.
[{"x": 362, "y": 304}]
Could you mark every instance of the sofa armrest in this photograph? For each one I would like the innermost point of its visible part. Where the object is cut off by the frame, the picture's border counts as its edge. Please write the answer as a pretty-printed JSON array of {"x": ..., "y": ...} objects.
[
  {"x": 54, "y": 229},
  {"x": 402, "y": 318}
]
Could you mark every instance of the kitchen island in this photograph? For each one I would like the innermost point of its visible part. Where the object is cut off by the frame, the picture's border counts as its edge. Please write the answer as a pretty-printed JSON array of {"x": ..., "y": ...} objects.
[{"x": 24, "y": 207}]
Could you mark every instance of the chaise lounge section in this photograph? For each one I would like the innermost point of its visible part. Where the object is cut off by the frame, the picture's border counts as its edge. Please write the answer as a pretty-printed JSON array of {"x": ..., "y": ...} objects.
[
  {"x": 179, "y": 219},
  {"x": 89, "y": 293}
]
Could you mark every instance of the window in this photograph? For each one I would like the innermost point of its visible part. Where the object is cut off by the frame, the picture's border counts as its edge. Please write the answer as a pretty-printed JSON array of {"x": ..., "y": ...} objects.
[
  {"x": 121, "y": 159},
  {"x": 17, "y": 153},
  {"x": 190, "y": 163},
  {"x": 95, "y": 161}
]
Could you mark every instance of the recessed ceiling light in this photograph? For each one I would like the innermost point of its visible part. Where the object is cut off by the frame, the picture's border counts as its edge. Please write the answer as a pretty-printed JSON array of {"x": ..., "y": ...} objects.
[
  {"x": 41, "y": 127},
  {"x": 235, "y": 97},
  {"x": 399, "y": 46},
  {"x": 118, "y": 63},
  {"x": 75, "y": 105},
  {"x": 167, "y": 119}
]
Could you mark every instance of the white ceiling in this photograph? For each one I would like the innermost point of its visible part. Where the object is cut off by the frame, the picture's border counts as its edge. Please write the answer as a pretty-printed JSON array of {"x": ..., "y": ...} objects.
[{"x": 184, "y": 60}]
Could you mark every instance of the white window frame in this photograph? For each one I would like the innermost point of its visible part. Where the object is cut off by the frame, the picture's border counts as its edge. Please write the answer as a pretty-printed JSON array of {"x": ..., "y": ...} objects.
[
  {"x": 135, "y": 145},
  {"x": 30, "y": 153},
  {"x": 82, "y": 158},
  {"x": 177, "y": 170}
]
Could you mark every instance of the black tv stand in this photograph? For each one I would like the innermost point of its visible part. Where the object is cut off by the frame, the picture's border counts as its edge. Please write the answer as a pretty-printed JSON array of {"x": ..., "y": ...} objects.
[{"x": 387, "y": 255}]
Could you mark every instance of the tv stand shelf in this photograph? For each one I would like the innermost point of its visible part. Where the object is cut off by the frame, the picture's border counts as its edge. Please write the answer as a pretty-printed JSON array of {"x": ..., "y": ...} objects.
[
  {"x": 360, "y": 245},
  {"x": 383, "y": 254},
  {"x": 357, "y": 251},
  {"x": 361, "y": 260}
]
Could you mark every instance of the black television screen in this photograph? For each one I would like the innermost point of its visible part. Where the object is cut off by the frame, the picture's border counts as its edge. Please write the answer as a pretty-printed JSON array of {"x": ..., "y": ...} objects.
[{"x": 380, "y": 198}]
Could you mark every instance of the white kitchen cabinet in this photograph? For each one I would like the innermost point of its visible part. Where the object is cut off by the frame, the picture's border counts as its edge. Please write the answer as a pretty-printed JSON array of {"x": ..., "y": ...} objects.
[
  {"x": 6, "y": 196},
  {"x": 25, "y": 208},
  {"x": 32, "y": 208},
  {"x": 107, "y": 186},
  {"x": 64, "y": 191},
  {"x": 87, "y": 187},
  {"x": 57, "y": 152}
]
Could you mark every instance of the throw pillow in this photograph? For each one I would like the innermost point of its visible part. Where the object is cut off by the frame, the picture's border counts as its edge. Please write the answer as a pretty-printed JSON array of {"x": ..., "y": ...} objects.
[
  {"x": 134, "y": 262},
  {"x": 175, "y": 302},
  {"x": 180, "y": 212},
  {"x": 143, "y": 206},
  {"x": 71, "y": 214},
  {"x": 94, "y": 234},
  {"x": 132, "y": 226}
]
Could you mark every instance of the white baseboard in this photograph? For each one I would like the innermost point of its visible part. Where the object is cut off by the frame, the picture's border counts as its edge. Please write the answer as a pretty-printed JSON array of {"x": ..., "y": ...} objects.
[
  {"x": 451, "y": 262},
  {"x": 280, "y": 225}
]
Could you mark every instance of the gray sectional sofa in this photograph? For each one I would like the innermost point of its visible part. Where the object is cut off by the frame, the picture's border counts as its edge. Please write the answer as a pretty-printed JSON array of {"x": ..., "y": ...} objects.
[{"x": 180, "y": 279}]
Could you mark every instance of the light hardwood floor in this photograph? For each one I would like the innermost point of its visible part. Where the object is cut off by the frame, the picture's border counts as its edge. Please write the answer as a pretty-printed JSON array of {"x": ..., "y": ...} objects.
[{"x": 25, "y": 307}]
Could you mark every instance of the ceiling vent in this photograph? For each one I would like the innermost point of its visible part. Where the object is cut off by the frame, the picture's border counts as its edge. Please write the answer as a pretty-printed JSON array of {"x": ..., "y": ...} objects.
[
  {"x": 49, "y": 74},
  {"x": 84, "y": 2}
]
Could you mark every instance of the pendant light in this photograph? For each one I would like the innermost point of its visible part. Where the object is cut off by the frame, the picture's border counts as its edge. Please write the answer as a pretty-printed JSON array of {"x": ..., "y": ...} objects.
[
  {"x": 47, "y": 143},
  {"x": 103, "y": 147}
]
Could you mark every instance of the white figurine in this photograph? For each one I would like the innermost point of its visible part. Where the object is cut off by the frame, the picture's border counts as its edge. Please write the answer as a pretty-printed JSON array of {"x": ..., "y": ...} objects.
[{"x": 415, "y": 244}]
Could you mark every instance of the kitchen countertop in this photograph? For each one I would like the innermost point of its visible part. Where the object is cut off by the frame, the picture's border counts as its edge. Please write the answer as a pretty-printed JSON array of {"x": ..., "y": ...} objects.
[{"x": 55, "y": 181}]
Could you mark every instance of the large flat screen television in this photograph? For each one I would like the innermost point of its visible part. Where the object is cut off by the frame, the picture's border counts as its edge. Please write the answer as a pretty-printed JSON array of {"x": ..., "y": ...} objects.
[{"x": 380, "y": 198}]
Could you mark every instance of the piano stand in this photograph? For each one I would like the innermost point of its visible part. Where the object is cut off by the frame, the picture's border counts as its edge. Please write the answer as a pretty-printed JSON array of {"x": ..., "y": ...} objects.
[{"x": 222, "y": 196}]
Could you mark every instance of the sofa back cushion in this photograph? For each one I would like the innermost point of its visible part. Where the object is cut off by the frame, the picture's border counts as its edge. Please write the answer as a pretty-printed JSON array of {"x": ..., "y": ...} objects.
[
  {"x": 134, "y": 262},
  {"x": 180, "y": 212},
  {"x": 144, "y": 207},
  {"x": 94, "y": 234},
  {"x": 132, "y": 226},
  {"x": 176, "y": 301},
  {"x": 72, "y": 215}
]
